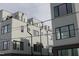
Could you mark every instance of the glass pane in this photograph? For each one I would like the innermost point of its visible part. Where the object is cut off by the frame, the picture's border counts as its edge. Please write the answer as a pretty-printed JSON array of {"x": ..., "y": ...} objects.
[
  {"x": 62, "y": 9},
  {"x": 59, "y": 53},
  {"x": 65, "y": 35},
  {"x": 22, "y": 28},
  {"x": 69, "y": 52},
  {"x": 21, "y": 46},
  {"x": 64, "y": 32},
  {"x": 2, "y": 30},
  {"x": 75, "y": 52},
  {"x": 18, "y": 45},
  {"x": 78, "y": 51},
  {"x": 64, "y": 29},
  {"x": 14, "y": 45},
  {"x": 5, "y": 29},
  {"x": 72, "y": 30},
  {"x": 69, "y": 8},
  {"x": 8, "y": 28},
  {"x": 56, "y": 11},
  {"x": 57, "y": 33},
  {"x": 5, "y": 45},
  {"x": 64, "y": 52}
]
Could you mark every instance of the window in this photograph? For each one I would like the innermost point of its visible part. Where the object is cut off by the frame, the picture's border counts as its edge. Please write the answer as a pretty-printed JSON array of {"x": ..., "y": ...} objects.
[
  {"x": 72, "y": 30},
  {"x": 50, "y": 49},
  {"x": 38, "y": 47},
  {"x": 5, "y": 29},
  {"x": 5, "y": 45},
  {"x": 57, "y": 33},
  {"x": 36, "y": 33},
  {"x": 62, "y": 9},
  {"x": 64, "y": 32},
  {"x": 56, "y": 11},
  {"x": 75, "y": 52},
  {"x": 22, "y": 28},
  {"x": 67, "y": 31},
  {"x": 63, "y": 52},
  {"x": 21, "y": 46},
  {"x": 69, "y": 8},
  {"x": 35, "y": 47},
  {"x": 18, "y": 45},
  {"x": 68, "y": 52}
]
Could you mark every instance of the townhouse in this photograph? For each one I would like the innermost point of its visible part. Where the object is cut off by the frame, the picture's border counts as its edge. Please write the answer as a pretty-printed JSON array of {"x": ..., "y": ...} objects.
[{"x": 22, "y": 36}]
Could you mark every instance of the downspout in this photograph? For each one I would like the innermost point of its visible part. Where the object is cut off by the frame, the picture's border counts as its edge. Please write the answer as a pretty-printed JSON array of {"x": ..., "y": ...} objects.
[
  {"x": 31, "y": 40},
  {"x": 40, "y": 40},
  {"x": 48, "y": 42}
]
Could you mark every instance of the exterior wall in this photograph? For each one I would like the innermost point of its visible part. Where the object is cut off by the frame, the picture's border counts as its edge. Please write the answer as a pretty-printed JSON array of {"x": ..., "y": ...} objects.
[
  {"x": 62, "y": 21},
  {"x": 7, "y": 36},
  {"x": 43, "y": 37},
  {"x": 16, "y": 34}
]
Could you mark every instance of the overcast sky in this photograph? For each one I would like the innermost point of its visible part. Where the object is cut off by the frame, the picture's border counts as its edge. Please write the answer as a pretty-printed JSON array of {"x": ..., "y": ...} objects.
[{"x": 39, "y": 11}]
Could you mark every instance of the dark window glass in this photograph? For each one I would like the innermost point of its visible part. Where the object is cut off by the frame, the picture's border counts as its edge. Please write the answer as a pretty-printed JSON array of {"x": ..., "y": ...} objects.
[
  {"x": 67, "y": 31},
  {"x": 35, "y": 47},
  {"x": 59, "y": 52},
  {"x": 18, "y": 45},
  {"x": 22, "y": 28},
  {"x": 5, "y": 45},
  {"x": 21, "y": 46},
  {"x": 69, "y": 8},
  {"x": 5, "y": 29},
  {"x": 38, "y": 47},
  {"x": 68, "y": 52},
  {"x": 64, "y": 52},
  {"x": 14, "y": 45},
  {"x": 72, "y": 30},
  {"x": 57, "y": 33},
  {"x": 56, "y": 11},
  {"x": 62, "y": 9},
  {"x": 64, "y": 32},
  {"x": 75, "y": 52}
]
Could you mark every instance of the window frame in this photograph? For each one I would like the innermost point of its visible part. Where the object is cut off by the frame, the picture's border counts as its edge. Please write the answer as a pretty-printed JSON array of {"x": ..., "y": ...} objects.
[
  {"x": 15, "y": 45},
  {"x": 7, "y": 28},
  {"x": 70, "y": 35},
  {"x": 22, "y": 29},
  {"x": 7, "y": 46},
  {"x": 58, "y": 12}
]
